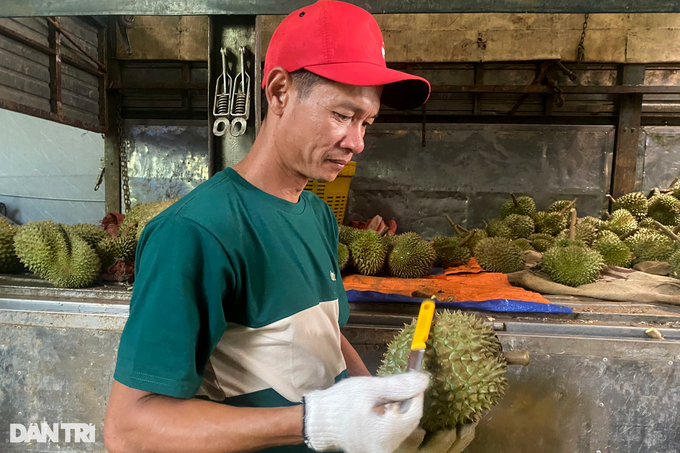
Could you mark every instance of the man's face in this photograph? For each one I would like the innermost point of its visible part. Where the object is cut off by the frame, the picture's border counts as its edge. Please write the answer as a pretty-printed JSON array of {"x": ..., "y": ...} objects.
[{"x": 326, "y": 128}]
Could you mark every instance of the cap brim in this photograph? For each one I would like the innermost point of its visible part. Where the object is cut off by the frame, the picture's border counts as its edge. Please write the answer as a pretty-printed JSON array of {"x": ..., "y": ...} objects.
[{"x": 400, "y": 90}]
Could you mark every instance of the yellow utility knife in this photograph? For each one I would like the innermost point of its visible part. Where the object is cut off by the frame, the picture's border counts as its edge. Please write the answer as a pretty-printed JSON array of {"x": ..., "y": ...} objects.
[{"x": 415, "y": 358}]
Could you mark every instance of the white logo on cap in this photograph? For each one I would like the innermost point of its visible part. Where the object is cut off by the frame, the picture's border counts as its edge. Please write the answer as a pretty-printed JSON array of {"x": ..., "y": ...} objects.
[{"x": 383, "y": 51}]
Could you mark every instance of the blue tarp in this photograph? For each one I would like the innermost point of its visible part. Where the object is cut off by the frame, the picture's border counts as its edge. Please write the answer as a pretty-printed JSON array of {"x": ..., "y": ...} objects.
[{"x": 497, "y": 305}]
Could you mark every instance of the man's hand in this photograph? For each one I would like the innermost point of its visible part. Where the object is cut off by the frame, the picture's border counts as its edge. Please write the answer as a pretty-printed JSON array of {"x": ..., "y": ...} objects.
[
  {"x": 447, "y": 441},
  {"x": 344, "y": 416}
]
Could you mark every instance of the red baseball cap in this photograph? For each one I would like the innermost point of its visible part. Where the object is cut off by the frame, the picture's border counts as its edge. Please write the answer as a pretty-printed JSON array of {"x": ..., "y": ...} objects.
[{"x": 342, "y": 42}]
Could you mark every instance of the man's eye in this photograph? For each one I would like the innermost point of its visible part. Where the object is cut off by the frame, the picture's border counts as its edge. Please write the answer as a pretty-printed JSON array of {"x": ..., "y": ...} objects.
[{"x": 342, "y": 117}]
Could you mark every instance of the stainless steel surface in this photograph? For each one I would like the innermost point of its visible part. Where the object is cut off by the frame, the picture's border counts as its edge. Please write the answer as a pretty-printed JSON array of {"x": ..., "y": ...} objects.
[
  {"x": 221, "y": 104},
  {"x": 165, "y": 161},
  {"x": 468, "y": 171},
  {"x": 660, "y": 155},
  {"x": 248, "y": 7}
]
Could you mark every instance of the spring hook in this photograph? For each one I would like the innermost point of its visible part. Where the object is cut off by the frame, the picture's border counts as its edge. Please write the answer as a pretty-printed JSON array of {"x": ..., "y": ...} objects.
[
  {"x": 240, "y": 100},
  {"x": 221, "y": 105}
]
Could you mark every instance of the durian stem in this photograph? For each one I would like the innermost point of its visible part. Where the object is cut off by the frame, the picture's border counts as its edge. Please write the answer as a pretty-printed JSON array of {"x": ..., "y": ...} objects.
[
  {"x": 467, "y": 239},
  {"x": 630, "y": 233},
  {"x": 676, "y": 230},
  {"x": 611, "y": 198},
  {"x": 572, "y": 227},
  {"x": 514, "y": 200},
  {"x": 666, "y": 231},
  {"x": 452, "y": 223},
  {"x": 520, "y": 357},
  {"x": 384, "y": 231},
  {"x": 568, "y": 207},
  {"x": 464, "y": 230}
]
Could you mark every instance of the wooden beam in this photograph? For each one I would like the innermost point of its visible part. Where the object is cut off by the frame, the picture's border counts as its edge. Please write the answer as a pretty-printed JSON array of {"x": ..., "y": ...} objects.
[
  {"x": 33, "y": 111},
  {"x": 112, "y": 198},
  {"x": 627, "y": 133},
  {"x": 55, "y": 69}
]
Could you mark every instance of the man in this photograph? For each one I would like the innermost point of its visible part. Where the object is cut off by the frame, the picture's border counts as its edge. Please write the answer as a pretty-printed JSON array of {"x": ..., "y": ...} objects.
[{"x": 236, "y": 312}]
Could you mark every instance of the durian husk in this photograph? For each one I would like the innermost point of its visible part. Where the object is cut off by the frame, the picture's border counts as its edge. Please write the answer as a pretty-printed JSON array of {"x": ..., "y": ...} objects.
[
  {"x": 498, "y": 254},
  {"x": 572, "y": 265},
  {"x": 343, "y": 255},
  {"x": 449, "y": 253},
  {"x": 367, "y": 252},
  {"x": 411, "y": 257},
  {"x": 465, "y": 360},
  {"x": 9, "y": 261},
  {"x": 613, "y": 250}
]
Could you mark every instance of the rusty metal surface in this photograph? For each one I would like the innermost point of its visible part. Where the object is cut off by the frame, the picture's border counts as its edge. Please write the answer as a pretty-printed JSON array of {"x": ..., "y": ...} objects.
[
  {"x": 165, "y": 161},
  {"x": 468, "y": 171},
  {"x": 659, "y": 157}
]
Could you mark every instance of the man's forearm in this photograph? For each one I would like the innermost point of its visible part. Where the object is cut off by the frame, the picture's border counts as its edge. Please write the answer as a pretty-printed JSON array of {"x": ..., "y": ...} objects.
[
  {"x": 355, "y": 366},
  {"x": 159, "y": 423}
]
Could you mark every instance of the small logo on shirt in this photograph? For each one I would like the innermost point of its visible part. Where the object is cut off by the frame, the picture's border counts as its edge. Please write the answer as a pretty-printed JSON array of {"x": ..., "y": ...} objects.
[{"x": 332, "y": 275}]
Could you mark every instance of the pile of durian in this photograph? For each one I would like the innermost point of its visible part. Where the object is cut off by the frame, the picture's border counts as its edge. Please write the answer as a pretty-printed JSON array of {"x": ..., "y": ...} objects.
[
  {"x": 72, "y": 256},
  {"x": 574, "y": 250}
]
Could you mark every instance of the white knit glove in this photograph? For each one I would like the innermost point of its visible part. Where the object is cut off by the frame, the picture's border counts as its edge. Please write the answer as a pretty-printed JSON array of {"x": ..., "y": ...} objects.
[
  {"x": 344, "y": 416},
  {"x": 448, "y": 441}
]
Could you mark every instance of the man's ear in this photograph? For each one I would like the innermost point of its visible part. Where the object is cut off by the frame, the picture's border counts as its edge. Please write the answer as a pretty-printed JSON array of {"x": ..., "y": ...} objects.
[{"x": 278, "y": 89}]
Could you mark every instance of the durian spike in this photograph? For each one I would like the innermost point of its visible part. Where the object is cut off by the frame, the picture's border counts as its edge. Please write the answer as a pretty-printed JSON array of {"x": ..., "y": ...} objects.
[
  {"x": 572, "y": 227},
  {"x": 630, "y": 233},
  {"x": 666, "y": 231},
  {"x": 467, "y": 239},
  {"x": 568, "y": 207},
  {"x": 520, "y": 357},
  {"x": 514, "y": 200}
]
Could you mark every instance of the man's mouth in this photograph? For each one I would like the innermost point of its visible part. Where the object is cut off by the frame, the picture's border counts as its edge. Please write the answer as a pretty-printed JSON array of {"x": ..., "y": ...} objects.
[{"x": 339, "y": 161}]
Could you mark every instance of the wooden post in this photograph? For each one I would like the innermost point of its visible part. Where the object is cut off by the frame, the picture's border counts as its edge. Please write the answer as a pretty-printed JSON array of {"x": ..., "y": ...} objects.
[{"x": 54, "y": 39}]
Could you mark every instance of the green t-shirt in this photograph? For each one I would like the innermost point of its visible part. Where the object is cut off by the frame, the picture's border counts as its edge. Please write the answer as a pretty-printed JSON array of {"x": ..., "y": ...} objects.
[{"x": 237, "y": 298}]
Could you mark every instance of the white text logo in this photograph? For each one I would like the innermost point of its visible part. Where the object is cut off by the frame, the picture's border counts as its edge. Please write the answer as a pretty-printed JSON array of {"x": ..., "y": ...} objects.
[{"x": 69, "y": 432}]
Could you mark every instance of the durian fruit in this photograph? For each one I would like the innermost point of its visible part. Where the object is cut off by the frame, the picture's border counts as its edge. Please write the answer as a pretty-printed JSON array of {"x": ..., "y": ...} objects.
[
  {"x": 56, "y": 254},
  {"x": 585, "y": 232},
  {"x": 9, "y": 261},
  {"x": 613, "y": 250},
  {"x": 547, "y": 237},
  {"x": 559, "y": 206},
  {"x": 647, "y": 222},
  {"x": 141, "y": 213},
  {"x": 521, "y": 226},
  {"x": 674, "y": 262},
  {"x": 367, "y": 252},
  {"x": 92, "y": 234},
  {"x": 521, "y": 206},
  {"x": 343, "y": 255},
  {"x": 348, "y": 234},
  {"x": 665, "y": 209},
  {"x": 572, "y": 265},
  {"x": 597, "y": 223},
  {"x": 550, "y": 223},
  {"x": 566, "y": 242},
  {"x": 467, "y": 366},
  {"x": 411, "y": 257},
  {"x": 499, "y": 255},
  {"x": 621, "y": 222},
  {"x": 123, "y": 247},
  {"x": 649, "y": 245},
  {"x": 498, "y": 228},
  {"x": 635, "y": 203},
  {"x": 541, "y": 241},
  {"x": 477, "y": 235},
  {"x": 524, "y": 244},
  {"x": 449, "y": 253}
]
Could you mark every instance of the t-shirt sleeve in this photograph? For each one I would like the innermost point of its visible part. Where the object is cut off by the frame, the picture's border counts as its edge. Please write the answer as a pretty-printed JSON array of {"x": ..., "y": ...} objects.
[
  {"x": 334, "y": 233},
  {"x": 176, "y": 313}
]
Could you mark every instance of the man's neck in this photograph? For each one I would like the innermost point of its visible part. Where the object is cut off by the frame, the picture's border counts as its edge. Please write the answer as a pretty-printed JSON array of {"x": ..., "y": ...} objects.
[{"x": 263, "y": 169}]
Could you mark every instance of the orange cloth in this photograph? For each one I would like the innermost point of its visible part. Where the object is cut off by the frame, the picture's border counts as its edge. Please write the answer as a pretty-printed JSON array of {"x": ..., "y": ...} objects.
[{"x": 465, "y": 283}]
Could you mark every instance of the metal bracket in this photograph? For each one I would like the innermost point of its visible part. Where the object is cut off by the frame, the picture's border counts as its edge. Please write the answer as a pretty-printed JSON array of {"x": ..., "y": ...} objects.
[
  {"x": 239, "y": 108},
  {"x": 125, "y": 23}
]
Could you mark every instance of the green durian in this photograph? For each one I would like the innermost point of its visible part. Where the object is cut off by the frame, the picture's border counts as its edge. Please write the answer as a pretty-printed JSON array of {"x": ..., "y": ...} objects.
[
  {"x": 141, "y": 214},
  {"x": 343, "y": 255},
  {"x": 348, "y": 234},
  {"x": 521, "y": 226},
  {"x": 92, "y": 234},
  {"x": 449, "y": 253},
  {"x": 613, "y": 250},
  {"x": 57, "y": 254},
  {"x": 367, "y": 252},
  {"x": 649, "y": 245},
  {"x": 635, "y": 203},
  {"x": 647, "y": 222},
  {"x": 621, "y": 222},
  {"x": 665, "y": 209},
  {"x": 566, "y": 242},
  {"x": 477, "y": 235},
  {"x": 123, "y": 247},
  {"x": 572, "y": 265},
  {"x": 411, "y": 257},
  {"x": 524, "y": 244},
  {"x": 467, "y": 367},
  {"x": 521, "y": 206},
  {"x": 545, "y": 236},
  {"x": 550, "y": 223},
  {"x": 498, "y": 228},
  {"x": 585, "y": 232},
  {"x": 498, "y": 254},
  {"x": 597, "y": 223},
  {"x": 559, "y": 206},
  {"x": 674, "y": 261},
  {"x": 541, "y": 245},
  {"x": 9, "y": 261}
]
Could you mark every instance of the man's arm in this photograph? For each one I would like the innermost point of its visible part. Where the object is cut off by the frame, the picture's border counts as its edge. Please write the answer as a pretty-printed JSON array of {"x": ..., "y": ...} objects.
[
  {"x": 138, "y": 421},
  {"x": 355, "y": 366}
]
